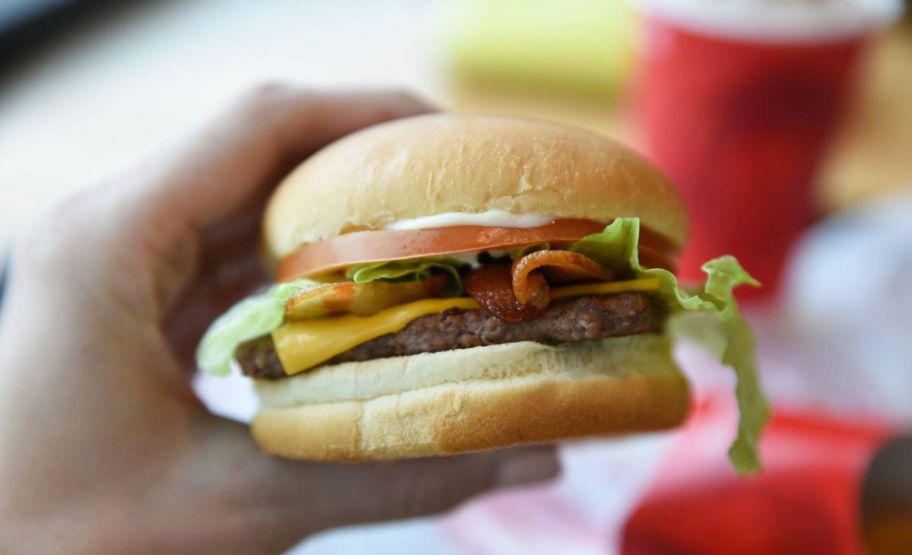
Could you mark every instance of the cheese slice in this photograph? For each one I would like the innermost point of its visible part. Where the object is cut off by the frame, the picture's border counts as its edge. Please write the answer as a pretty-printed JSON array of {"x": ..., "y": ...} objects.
[
  {"x": 607, "y": 288},
  {"x": 303, "y": 344}
]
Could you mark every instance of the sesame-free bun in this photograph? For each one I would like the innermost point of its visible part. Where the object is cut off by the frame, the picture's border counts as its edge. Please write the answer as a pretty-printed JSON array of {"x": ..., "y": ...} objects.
[
  {"x": 432, "y": 164},
  {"x": 456, "y": 401}
]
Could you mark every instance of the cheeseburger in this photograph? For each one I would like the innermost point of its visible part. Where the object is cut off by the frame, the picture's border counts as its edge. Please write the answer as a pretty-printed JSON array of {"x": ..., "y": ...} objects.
[{"x": 451, "y": 283}]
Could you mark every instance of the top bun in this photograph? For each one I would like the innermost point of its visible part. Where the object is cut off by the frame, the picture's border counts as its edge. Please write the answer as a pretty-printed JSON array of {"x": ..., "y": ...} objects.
[{"x": 431, "y": 164}]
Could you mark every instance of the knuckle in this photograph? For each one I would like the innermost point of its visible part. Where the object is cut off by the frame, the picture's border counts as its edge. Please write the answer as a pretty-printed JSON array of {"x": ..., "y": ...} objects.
[
  {"x": 58, "y": 241},
  {"x": 405, "y": 96},
  {"x": 53, "y": 235},
  {"x": 264, "y": 99},
  {"x": 405, "y": 101}
]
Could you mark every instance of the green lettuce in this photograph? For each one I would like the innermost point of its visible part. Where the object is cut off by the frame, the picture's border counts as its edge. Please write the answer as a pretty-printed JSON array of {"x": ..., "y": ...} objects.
[
  {"x": 410, "y": 270},
  {"x": 708, "y": 315},
  {"x": 264, "y": 312},
  {"x": 253, "y": 317}
]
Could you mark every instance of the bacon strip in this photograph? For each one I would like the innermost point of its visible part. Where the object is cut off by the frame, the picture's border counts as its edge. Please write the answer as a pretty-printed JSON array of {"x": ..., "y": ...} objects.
[
  {"x": 492, "y": 287},
  {"x": 530, "y": 286}
]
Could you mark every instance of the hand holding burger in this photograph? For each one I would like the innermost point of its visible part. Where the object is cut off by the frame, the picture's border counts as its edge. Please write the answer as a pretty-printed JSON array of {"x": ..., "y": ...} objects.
[{"x": 103, "y": 446}]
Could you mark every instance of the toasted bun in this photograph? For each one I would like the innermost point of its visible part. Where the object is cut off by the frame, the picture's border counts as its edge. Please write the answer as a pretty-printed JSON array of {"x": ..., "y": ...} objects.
[
  {"x": 433, "y": 164},
  {"x": 467, "y": 400}
]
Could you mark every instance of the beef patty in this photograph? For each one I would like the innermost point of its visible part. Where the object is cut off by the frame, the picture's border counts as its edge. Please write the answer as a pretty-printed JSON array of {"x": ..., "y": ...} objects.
[{"x": 563, "y": 321}]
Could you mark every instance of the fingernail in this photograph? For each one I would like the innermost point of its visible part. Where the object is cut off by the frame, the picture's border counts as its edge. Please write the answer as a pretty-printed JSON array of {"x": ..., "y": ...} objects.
[{"x": 529, "y": 467}]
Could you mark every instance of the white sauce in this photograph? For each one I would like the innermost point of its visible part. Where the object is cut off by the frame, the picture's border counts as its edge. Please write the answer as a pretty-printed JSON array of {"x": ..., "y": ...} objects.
[{"x": 491, "y": 218}]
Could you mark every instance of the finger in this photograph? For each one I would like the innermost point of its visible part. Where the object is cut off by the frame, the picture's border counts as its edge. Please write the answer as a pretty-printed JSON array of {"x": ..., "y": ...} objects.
[
  {"x": 231, "y": 267},
  {"x": 232, "y": 161},
  {"x": 208, "y": 297},
  {"x": 228, "y": 170},
  {"x": 418, "y": 487},
  {"x": 302, "y": 498},
  {"x": 358, "y": 494}
]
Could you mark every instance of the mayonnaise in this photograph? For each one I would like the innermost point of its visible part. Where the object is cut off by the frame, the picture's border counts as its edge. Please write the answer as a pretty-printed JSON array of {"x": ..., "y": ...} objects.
[{"x": 491, "y": 218}]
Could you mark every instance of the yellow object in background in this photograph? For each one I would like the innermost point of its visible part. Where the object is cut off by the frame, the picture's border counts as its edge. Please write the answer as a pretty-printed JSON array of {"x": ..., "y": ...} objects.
[
  {"x": 871, "y": 157},
  {"x": 576, "y": 46}
]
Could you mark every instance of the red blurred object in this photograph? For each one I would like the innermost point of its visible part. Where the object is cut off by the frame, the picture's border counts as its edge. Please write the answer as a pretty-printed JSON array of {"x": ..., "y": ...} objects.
[
  {"x": 742, "y": 127},
  {"x": 806, "y": 501}
]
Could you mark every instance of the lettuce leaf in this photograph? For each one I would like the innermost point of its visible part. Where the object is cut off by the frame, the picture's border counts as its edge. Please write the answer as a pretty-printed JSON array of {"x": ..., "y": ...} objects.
[
  {"x": 264, "y": 312},
  {"x": 408, "y": 270},
  {"x": 253, "y": 317},
  {"x": 723, "y": 332}
]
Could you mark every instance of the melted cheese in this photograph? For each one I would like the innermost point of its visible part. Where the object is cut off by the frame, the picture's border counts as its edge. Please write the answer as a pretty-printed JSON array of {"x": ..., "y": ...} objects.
[
  {"x": 607, "y": 288},
  {"x": 303, "y": 344}
]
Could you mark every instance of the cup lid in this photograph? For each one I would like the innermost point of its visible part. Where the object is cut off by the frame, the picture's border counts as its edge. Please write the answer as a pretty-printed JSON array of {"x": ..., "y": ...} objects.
[{"x": 777, "y": 20}]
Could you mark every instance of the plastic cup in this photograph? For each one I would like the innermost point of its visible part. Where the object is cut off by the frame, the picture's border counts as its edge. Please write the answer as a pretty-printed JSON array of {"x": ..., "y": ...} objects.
[{"x": 738, "y": 102}]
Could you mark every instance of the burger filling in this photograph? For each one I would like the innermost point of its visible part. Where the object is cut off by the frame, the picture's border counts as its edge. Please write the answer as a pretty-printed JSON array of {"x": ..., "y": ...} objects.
[
  {"x": 378, "y": 294},
  {"x": 564, "y": 321}
]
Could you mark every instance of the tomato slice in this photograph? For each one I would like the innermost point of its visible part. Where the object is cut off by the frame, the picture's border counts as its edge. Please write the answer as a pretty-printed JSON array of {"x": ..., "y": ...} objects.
[{"x": 363, "y": 247}]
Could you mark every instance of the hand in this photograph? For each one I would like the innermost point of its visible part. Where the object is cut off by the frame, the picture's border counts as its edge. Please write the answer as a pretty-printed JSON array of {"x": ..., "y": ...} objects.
[{"x": 103, "y": 446}]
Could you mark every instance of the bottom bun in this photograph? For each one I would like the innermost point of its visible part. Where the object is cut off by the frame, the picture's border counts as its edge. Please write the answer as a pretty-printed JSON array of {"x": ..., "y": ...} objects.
[{"x": 472, "y": 399}]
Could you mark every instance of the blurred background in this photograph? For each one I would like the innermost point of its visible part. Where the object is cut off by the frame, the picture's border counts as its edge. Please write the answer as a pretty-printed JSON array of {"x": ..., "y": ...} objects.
[{"x": 787, "y": 125}]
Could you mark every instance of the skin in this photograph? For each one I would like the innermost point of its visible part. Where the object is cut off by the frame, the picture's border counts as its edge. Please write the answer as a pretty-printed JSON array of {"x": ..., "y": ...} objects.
[{"x": 103, "y": 445}]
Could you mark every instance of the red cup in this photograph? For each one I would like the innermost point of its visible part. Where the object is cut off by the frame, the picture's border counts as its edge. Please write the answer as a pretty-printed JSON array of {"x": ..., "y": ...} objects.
[
  {"x": 806, "y": 500},
  {"x": 741, "y": 125}
]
